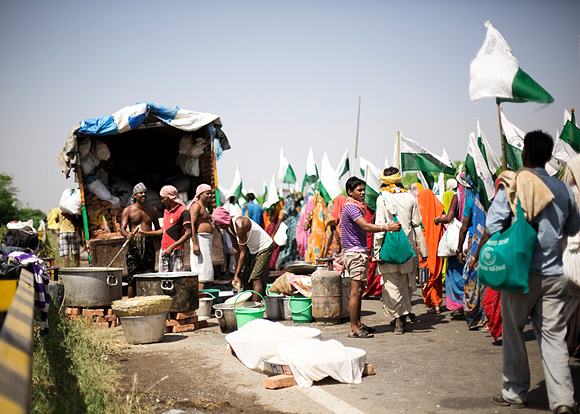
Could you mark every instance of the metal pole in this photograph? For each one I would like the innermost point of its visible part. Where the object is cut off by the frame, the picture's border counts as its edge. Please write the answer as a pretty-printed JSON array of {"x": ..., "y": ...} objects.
[
  {"x": 356, "y": 143},
  {"x": 397, "y": 151},
  {"x": 503, "y": 160}
]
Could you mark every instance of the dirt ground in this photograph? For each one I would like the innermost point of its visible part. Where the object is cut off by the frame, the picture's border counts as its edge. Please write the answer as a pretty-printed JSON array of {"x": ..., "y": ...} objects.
[{"x": 437, "y": 366}]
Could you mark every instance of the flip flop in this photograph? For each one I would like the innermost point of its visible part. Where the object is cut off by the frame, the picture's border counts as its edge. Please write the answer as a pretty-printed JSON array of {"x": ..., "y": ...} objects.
[
  {"x": 361, "y": 333},
  {"x": 369, "y": 329}
]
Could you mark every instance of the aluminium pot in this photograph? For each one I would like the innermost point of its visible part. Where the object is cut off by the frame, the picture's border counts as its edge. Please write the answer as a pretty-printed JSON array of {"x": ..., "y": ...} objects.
[
  {"x": 183, "y": 287},
  {"x": 224, "y": 312},
  {"x": 91, "y": 287}
]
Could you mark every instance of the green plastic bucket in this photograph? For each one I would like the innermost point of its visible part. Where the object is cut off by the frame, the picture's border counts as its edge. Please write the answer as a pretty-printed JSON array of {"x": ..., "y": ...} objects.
[
  {"x": 214, "y": 292},
  {"x": 245, "y": 315},
  {"x": 268, "y": 286},
  {"x": 301, "y": 309}
]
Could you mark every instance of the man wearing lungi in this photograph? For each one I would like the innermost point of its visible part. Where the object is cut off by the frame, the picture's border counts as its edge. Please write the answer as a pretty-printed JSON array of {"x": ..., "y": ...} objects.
[{"x": 201, "y": 235}]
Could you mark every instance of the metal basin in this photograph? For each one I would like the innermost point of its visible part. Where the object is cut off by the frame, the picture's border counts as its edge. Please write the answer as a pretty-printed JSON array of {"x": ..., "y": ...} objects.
[
  {"x": 183, "y": 287},
  {"x": 91, "y": 287}
]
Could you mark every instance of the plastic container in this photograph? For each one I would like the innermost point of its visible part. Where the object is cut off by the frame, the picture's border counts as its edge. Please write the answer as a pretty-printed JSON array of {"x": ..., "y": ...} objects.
[
  {"x": 226, "y": 317},
  {"x": 205, "y": 304},
  {"x": 301, "y": 308},
  {"x": 245, "y": 315},
  {"x": 215, "y": 294}
]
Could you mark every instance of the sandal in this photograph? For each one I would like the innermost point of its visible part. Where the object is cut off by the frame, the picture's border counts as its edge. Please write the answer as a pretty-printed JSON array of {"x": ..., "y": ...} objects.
[
  {"x": 434, "y": 310},
  {"x": 361, "y": 333},
  {"x": 369, "y": 329}
]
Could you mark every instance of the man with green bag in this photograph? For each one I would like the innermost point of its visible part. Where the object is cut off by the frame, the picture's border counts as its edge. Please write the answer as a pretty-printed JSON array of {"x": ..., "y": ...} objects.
[{"x": 547, "y": 285}]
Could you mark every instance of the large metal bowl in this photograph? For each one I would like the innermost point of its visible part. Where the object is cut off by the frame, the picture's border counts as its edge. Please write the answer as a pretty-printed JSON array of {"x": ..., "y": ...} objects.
[{"x": 299, "y": 267}]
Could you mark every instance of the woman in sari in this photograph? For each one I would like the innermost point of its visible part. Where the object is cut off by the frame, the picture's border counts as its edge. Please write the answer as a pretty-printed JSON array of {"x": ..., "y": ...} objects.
[
  {"x": 453, "y": 269},
  {"x": 322, "y": 229},
  {"x": 301, "y": 234},
  {"x": 274, "y": 220},
  {"x": 473, "y": 226},
  {"x": 430, "y": 208},
  {"x": 289, "y": 252}
]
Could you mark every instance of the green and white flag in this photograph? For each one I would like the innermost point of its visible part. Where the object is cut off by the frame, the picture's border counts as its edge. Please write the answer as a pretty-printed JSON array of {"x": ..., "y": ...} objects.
[
  {"x": 476, "y": 169},
  {"x": 495, "y": 72},
  {"x": 265, "y": 190},
  {"x": 272, "y": 194},
  {"x": 285, "y": 172},
  {"x": 236, "y": 187},
  {"x": 571, "y": 133},
  {"x": 343, "y": 165},
  {"x": 513, "y": 142},
  {"x": 311, "y": 174},
  {"x": 491, "y": 159},
  {"x": 372, "y": 176},
  {"x": 330, "y": 187},
  {"x": 416, "y": 158}
]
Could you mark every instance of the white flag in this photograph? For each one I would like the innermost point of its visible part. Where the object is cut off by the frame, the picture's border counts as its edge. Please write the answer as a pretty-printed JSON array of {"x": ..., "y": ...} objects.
[{"x": 330, "y": 187}]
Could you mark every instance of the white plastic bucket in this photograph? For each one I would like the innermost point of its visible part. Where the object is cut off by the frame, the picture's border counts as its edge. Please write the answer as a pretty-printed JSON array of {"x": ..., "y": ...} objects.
[{"x": 205, "y": 304}]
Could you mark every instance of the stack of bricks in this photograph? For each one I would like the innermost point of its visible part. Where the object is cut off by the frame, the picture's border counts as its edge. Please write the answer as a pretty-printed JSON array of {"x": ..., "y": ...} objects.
[
  {"x": 103, "y": 318},
  {"x": 98, "y": 208},
  {"x": 184, "y": 322}
]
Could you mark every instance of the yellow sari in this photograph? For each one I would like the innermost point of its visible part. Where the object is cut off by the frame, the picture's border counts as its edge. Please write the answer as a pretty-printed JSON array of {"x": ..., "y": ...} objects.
[{"x": 320, "y": 230}]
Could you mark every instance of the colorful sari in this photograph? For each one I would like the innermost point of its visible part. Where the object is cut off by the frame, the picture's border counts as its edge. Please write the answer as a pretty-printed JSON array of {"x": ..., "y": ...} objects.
[
  {"x": 320, "y": 230},
  {"x": 289, "y": 252},
  {"x": 374, "y": 280},
  {"x": 473, "y": 291},
  {"x": 453, "y": 269},
  {"x": 301, "y": 234},
  {"x": 273, "y": 222},
  {"x": 430, "y": 208}
]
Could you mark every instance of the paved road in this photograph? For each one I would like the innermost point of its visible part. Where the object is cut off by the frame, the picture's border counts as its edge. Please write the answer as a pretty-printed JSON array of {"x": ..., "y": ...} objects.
[{"x": 438, "y": 366}]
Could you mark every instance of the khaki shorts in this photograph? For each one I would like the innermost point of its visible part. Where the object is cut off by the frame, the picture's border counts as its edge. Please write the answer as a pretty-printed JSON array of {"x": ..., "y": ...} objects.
[{"x": 357, "y": 265}]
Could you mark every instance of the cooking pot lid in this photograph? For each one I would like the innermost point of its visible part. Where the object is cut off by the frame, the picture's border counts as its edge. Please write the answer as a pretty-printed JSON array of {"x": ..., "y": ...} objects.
[
  {"x": 88, "y": 269},
  {"x": 165, "y": 275}
]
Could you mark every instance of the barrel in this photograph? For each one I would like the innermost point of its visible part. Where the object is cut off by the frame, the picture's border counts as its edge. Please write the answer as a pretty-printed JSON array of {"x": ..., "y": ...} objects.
[{"x": 326, "y": 295}]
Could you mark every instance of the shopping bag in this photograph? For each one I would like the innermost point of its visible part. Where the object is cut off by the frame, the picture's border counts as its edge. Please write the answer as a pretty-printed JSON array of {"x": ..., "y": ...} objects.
[
  {"x": 505, "y": 260},
  {"x": 448, "y": 243},
  {"x": 396, "y": 248}
]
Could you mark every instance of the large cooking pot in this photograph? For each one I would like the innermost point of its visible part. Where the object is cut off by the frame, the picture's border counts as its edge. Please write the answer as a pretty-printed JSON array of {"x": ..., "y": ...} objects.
[
  {"x": 183, "y": 287},
  {"x": 91, "y": 287}
]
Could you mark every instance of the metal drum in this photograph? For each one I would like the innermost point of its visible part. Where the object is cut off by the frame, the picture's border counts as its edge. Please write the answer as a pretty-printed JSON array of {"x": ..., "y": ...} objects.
[
  {"x": 181, "y": 286},
  {"x": 91, "y": 287}
]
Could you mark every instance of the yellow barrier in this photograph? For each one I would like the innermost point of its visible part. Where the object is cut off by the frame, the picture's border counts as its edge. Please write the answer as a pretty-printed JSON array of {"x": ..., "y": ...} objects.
[{"x": 16, "y": 344}]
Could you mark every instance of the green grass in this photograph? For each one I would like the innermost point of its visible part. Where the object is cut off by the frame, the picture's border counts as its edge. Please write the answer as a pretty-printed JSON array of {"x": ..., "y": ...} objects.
[{"x": 74, "y": 371}]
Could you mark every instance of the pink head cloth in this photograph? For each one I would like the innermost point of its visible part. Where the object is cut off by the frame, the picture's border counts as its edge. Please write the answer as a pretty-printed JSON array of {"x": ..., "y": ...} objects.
[
  {"x": 221, "y": 215},
  {"x": 202, "y": 188},
  {"x": 170, "y": 192}
]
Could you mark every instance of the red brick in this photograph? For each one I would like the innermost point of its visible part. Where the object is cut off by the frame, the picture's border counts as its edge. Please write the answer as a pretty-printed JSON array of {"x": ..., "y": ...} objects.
[
  {"x": 109, "y": 312},
  {"x": 72, "y": 311},
  {"x": 101, "y": 324},
  {"x": 171, "y": 322},
  {"x": 110, "y": 318},
  {"x": 279, "y": 381},
  {"x": 182, "y": 315},
  {"x": 94, "y": 312},
  {"x": 100, "y": 319},
  {"x": 168, "y": 329},
  {"x": 193, "y": 319},
  {"x": 75, "y": 317},
  {"x": 369, "y": 369},
  {"x": 202, "y": 324},
  {"x": 184, "y": 328}
]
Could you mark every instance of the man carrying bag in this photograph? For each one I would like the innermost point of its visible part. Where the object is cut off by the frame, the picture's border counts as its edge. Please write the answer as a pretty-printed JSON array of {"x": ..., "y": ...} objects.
[{"x": 547, "y": 285}]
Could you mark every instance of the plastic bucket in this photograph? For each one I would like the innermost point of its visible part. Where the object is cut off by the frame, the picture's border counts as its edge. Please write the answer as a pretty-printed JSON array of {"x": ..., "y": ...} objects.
[
  {"x": 226, "y": 317},
  {"x": 301, "y": 308},
  {"x": 268, "y": 286},
  {"x": 215, "y": 294},
  {"x": 144, "y": 329},
  {"x": 204, "y": 310},
  {"x": 245, "y": 315}
]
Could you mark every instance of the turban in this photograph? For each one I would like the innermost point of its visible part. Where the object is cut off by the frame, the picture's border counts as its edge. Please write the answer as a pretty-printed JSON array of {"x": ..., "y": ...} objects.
[
  {"x": 138, "y": 188},
  {"x": 222, "y": 216},
  {"x": 391, "y": 179},
  {"x": 202, "y": 188},
  {"x": 170, "y": 192}
]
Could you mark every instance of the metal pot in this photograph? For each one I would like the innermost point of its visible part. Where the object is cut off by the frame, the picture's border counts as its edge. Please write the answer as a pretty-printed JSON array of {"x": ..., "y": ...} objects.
[
  {"x": 91, "y": 287},
  {"x": 224, "y": 312},
  {"x": 181, "y": 286},
  {"x": 144, "y": 329}
]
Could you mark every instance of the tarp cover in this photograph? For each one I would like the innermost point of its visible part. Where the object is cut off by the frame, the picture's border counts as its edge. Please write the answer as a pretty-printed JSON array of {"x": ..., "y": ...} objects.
[{"x": 130, "y": 117}]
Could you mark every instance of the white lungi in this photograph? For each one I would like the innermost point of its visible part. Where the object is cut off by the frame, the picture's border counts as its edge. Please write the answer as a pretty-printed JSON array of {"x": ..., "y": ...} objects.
[{"x": 202, "y": 264}]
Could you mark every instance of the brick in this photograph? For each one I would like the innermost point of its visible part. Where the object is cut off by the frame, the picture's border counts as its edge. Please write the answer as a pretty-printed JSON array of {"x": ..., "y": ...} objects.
[
  {"x": 182, "y": 315},
  {"x": 171, "y": 322},
  {"x": 109, "y": 311},
  {"x": 193, "y": 319},
  {"x": 101, "y": 324},
  {"x": 72, "y": 311},
  {"x": 279, "y": 381},
  {"x": 168, "y": 329},
  {"x": 94, "y": 312},
  {"x": 202, "y": 324},
  {"x": 100, "y": 319},
  {"x": 184, "y": 328},
  {"x": 75, "y": 317},
  {"x": 369, "y": 369},
  {"x": 114, "y": 323},
  {"x": 110, "y": 318}
]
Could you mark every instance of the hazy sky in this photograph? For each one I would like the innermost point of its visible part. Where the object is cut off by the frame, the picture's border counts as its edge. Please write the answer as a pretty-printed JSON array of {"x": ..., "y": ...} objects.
[{"x": 279, "y": 74}]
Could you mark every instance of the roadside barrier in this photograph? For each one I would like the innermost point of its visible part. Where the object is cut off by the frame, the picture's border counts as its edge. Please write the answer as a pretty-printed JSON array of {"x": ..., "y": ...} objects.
[{"x": 16, "y": 345}]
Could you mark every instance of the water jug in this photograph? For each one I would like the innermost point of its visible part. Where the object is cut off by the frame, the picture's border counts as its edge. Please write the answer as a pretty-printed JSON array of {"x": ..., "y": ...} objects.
[{"x": 326, "y": 292}]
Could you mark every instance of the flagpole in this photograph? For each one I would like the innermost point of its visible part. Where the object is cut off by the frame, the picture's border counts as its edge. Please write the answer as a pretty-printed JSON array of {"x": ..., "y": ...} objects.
[
  {"x": 397, "y": 151},
  {"x": 503, "y": 160},
  {"x": 356, "y": 143}
]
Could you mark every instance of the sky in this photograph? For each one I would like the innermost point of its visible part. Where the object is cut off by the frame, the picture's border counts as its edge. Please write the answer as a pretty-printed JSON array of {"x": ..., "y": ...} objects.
[{"x": 280, "y": 74}]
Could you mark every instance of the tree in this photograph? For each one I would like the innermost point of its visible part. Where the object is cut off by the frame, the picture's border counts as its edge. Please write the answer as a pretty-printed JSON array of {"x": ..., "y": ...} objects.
[{"x": 8, "y": 201}]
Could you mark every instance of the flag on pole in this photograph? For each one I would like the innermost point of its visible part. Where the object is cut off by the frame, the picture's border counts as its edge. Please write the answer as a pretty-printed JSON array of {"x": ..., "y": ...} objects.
[
  {"x": 513, "y": 142},
  {"x": 571, "y": 133},
  {"x": 272, "y": 197},
  {"x": 236, "y": 187},
  {"x": 285, "y": 172},
  {"x": 343, "y": 165},
  {"x": 416, "y": 158},
  {"x": 311, "y": 174},
  {"x": 495, "y": 72},
  {"x": 476, "y": 169},
  {"x": 330, "y": 187},
  {"x": 372, "y": 176},
  {"x": 265, "y": 191},
  {"x": 491, "y": 159}
]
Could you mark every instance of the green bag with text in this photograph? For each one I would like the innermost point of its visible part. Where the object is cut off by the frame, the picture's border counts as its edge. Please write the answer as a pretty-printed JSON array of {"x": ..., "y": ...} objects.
[
  {"x": 396, "y": 248},
  {"x": 505, "y": 260}
]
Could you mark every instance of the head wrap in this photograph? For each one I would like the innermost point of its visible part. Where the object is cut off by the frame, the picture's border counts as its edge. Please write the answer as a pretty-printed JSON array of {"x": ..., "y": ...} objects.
[
  {"x": 462, "y": 179},
  {"x": 451, "y": 184},
  {"x": 138, "y": 188},
  {"x": 170, "y": 192},
  {"x": 391, "y": 179},
  {"x": 202, "y": 188},
  {"x": 222, "y": 216}
]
